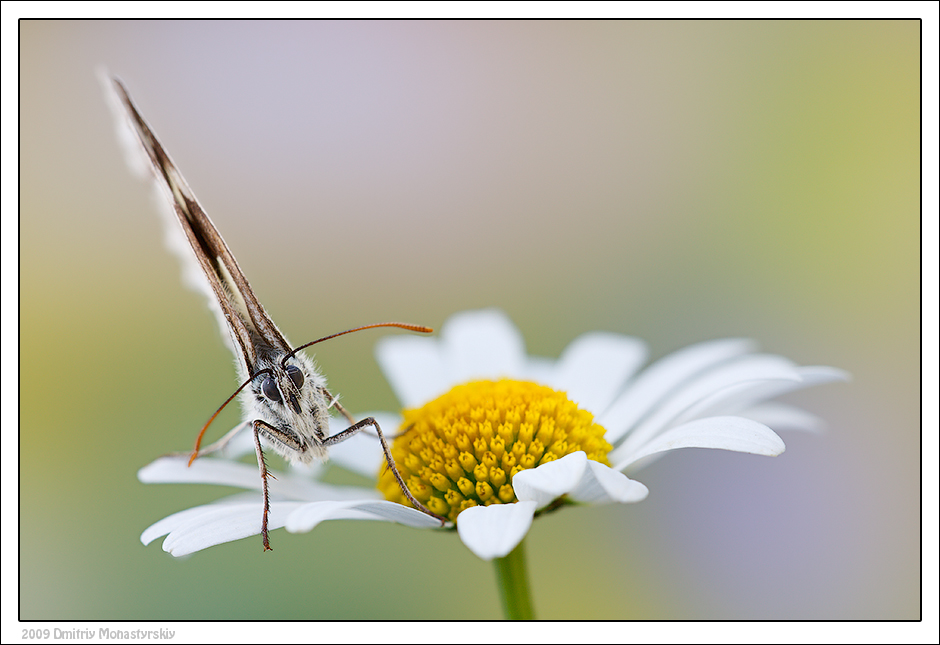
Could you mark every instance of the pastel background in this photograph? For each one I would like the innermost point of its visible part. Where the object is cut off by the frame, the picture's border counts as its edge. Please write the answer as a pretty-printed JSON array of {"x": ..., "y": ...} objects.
[{"x": 677, "y": 181}]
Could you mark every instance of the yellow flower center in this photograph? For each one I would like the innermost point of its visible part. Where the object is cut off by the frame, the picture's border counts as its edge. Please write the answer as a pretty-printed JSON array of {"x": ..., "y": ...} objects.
[{"x": 463, "y": 448}]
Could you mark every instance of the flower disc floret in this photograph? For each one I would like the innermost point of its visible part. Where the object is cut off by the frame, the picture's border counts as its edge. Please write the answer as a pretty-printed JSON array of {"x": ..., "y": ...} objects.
[{"x": 463, "y": 448}]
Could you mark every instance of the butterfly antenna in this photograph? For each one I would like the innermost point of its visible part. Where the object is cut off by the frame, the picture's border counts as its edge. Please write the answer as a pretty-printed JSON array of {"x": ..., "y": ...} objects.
[{"x": 417, "y": 328}]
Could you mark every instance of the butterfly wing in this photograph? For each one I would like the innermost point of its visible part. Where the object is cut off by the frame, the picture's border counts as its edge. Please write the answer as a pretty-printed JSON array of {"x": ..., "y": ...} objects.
[{"x": 253, "y": 332}]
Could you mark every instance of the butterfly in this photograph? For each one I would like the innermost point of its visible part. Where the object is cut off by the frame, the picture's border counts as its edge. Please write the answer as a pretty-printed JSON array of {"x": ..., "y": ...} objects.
[{"x": 284, "y": 397}]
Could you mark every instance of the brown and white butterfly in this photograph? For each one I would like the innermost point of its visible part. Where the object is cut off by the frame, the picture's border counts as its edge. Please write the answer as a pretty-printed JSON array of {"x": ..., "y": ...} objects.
[{"x": 283, "y": 395}]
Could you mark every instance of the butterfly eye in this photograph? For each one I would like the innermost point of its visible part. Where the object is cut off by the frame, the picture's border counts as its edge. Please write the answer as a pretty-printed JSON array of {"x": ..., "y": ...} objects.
[
  {"x": 269, "y": 389},
  {"x": 296, "y": 375}
]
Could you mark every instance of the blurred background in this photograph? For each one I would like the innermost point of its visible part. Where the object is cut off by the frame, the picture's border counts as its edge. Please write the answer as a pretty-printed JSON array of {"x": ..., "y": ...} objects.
[{"x": 677, "y": 181}]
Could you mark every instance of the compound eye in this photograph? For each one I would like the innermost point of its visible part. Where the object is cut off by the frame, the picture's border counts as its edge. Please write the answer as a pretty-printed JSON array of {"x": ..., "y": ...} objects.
[
  {"x": 269, "y": 389},
  {"x": 296, "y": 375}
]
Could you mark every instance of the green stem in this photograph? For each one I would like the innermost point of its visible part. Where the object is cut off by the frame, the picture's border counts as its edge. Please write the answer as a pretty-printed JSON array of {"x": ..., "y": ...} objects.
[{"x": 512, "y": 578}]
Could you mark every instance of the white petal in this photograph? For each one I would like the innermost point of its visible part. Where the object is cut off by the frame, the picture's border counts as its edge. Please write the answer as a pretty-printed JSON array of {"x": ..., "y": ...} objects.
[
  {"x": 703, "y": 395},
  {"x": 661, "y": 378},
  {"x": 784, "y": 417},
  {"x": 306, "y": 517},
  {"x": 730, "y": 400},
  {"x": 481, "y": 344},
  {"x": 173, "y": 470},
  {"x": 205, "y": 526},
  {"x": 550, "y": 481},
  {"x": 538, "y": 369},
  {"x": 594, "y": 368},
  {"x": 818, "y": 374},
  {"x": 171, "y": 522},
  {"x": 414, "y": 367},
  {"x": 602, "y": 485},
  {"x": 733, "y": 401},
  {"x": 362, "y": 453},
  {"x": 493, "y": 531},
  {"x": 723, "y": 433}
]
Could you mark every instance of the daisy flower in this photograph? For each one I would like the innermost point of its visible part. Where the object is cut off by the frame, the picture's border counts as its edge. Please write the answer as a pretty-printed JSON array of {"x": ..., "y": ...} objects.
[{"x": 491, "y": 437}]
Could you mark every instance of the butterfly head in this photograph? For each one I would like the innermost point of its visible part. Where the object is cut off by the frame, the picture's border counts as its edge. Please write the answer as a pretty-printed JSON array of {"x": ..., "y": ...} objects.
[
  {"x": 285, "y": 387},
  {"x": 287, "y": 395}
]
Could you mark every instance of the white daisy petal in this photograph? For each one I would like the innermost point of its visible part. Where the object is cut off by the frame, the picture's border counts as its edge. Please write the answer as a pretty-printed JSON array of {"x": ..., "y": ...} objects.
[
  {"x": 550, "y": 481},
  {"x": 493, "y": 531},
  {"x": 218, "y": 523},
  {"x": 170, "y": 522},
  {"x": 819, "y": 374},
  {"x": 538, "y": 369},
  {"x": 663, "y": 376},
  {"x": 784, "y": 417},
  {"x": 594, "y": 368},
  {"x": 306, "y": 517},
  {"x": 472, "y": 345},
  {"x": 414, "y": 367},
  {"x": 602, "y": 485},
  {"x": 393, "y": 512},
  {"x": 711, "y": 386},
  {"x": 215, "y": 525},
  {"x": 175, "y": 470},
  {"x": 481, "y": 344},
  {"x": 733, "y": 401},
  {"x": 725, "y": 433}
]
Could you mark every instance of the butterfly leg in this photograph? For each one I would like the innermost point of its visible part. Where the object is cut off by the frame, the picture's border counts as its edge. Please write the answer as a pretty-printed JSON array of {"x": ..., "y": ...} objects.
[
  {"x": 365, "y": 423},
  {"x": 214, "y": 447},
  {"x": 334, "y": 403},
  {"x": 263, "y": 467},
  {"x": 276, "y": 435}
]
